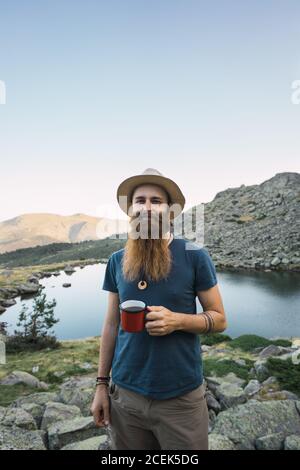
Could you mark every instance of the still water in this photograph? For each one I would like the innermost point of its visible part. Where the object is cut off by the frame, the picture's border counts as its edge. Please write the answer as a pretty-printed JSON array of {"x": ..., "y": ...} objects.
[{"x": 262, "y": 303}]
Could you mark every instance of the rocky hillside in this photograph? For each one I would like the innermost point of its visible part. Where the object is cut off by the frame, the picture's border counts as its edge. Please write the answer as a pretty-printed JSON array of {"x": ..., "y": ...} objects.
[
  {"x": 29, "y": 230},
  {"x": 255, "y": 226},
  {"x": 249, "y": 227}
]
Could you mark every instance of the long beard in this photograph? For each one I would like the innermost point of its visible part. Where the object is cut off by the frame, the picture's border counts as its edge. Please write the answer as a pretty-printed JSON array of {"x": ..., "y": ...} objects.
[{"x": 150, "y": 257}]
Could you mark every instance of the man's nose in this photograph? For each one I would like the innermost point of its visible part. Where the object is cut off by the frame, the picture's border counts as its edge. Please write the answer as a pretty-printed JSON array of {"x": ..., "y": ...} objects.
[{"x": 147, "y": 206}]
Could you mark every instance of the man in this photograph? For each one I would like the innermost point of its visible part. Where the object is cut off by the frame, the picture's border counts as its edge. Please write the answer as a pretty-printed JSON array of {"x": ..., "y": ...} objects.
[{"x": 156, "y": 398}]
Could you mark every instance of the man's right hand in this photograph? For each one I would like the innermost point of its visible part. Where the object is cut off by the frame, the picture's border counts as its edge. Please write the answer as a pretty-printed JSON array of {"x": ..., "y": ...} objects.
[{"x": 100, "y": 406}]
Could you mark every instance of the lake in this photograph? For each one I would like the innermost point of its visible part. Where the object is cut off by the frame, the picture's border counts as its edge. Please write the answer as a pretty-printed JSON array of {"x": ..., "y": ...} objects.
[{"x": 262, "y": 303}]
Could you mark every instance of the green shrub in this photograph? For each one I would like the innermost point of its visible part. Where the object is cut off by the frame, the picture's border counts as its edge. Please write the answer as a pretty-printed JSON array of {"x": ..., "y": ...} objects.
[
  {"x": 287, "y": 373},
  {"x": 282, "y": 342},
  {"x": 250, "y": 342},
  {"x": 16, "y": 343},
  {"x": 212, "y": 367},
  {"x": 214, "y": 338}
]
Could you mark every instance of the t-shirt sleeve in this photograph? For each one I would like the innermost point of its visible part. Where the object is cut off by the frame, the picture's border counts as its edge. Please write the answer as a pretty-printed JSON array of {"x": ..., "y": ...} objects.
[
  {"x": 109, "y": 282},
  {"x": 205, "y": 271}
]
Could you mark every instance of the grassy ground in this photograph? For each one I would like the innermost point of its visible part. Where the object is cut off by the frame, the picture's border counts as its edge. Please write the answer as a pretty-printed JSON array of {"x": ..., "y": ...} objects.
[
  {"x": 14, "y": 276},
  {"x": 72, "y": 354},
  {"x": 67, "y": 358}
]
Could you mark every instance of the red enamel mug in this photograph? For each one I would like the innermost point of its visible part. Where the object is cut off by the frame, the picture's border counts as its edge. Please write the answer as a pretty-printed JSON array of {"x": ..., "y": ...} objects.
[{"x": 133, "y": 314}]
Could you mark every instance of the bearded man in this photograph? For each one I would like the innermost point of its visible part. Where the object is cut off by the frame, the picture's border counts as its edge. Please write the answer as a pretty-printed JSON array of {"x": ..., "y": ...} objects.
[{"x": 155, "y": 395}]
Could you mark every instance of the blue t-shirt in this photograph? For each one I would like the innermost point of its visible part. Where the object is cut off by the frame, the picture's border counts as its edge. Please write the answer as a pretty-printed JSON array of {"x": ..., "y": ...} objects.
[{"x": 166, "y": 366}]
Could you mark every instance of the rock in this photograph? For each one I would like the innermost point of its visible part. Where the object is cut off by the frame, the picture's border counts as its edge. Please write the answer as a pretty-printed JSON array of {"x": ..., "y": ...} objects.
[
  {"x": 243, "y": 424},
  {"x": 205, "y": 348},
  {"x": 252, "y": 387},
  {"x": 219, "y": 442},
  {"x": 273, "y": 350},
  {"x": 86, "y": 365},
  {"x": 35, "y": 410},
  {"x": 294, "y": 355},
  {"x": 275, "y": 261},
  {"x": 33, "y": 279},
  {"x": 270, "y": 381},
  {"x": 55, "y": 412},
  {"x": 270, "y": 442},
  {"x": 66, "y": 284},
  {"x": 47, "y": 273},
  {"x": 212, "y": 403},
  {"x": 261, "y": 370},
  {"x": 40, "y": 399},
  {"x": 93, "y": 443},
  {"x": 275, "y": 395},
  {"x": 289, "y": 395},
  {"x": 79, "y": 392},
  {"x": 214, "y": 382},
  {"x": 80, "y": 398},
  {"x": 240, "y": 362},
  {"x": 107, "y": 443},
  {"x": 14, "y": 438},
  {"x": 29, "y": 288},
  {"x": 18, "y": 377},
  {"x": 230, "y": 394},
  {"x": 227, "y": 389},
  {"x": 8, "y": 292},
  {"x": 2, "y": 309},
  {"x": 66, "y": 432},
  {"x": 7, "y": 302},
  {"x": 17, "y": 417},
  {"x": 69, "y": 269},
  {"x": 292, "y": 442},
  {"x": 82, "y": 382}
]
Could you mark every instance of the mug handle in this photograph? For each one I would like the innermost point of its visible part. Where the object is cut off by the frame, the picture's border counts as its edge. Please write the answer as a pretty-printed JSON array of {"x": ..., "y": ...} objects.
[{"x": 146, "y": 310}]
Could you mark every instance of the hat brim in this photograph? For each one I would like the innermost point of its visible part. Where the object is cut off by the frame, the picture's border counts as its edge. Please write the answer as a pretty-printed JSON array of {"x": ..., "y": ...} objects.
[{"x": 126, "y": 188}]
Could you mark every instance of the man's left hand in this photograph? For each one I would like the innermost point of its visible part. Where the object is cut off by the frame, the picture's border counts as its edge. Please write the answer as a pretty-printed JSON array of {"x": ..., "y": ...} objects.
[{"x": 162, "y": 321}]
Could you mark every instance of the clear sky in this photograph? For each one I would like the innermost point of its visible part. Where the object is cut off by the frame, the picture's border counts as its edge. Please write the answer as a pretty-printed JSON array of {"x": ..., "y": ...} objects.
[{"x": 97, "y": 91}]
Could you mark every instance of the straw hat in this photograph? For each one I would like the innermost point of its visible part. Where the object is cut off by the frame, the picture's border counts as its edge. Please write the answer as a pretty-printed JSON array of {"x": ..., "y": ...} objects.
[{"x": 150, "y": 176}]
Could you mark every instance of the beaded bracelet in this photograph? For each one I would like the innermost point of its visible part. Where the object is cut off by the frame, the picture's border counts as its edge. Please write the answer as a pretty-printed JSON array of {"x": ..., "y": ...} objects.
[{"x": 103, "y": 380}]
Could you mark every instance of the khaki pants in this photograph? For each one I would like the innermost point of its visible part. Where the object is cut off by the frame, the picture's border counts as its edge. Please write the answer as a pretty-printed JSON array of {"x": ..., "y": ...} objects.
[{"x": 138, "y": 422}]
